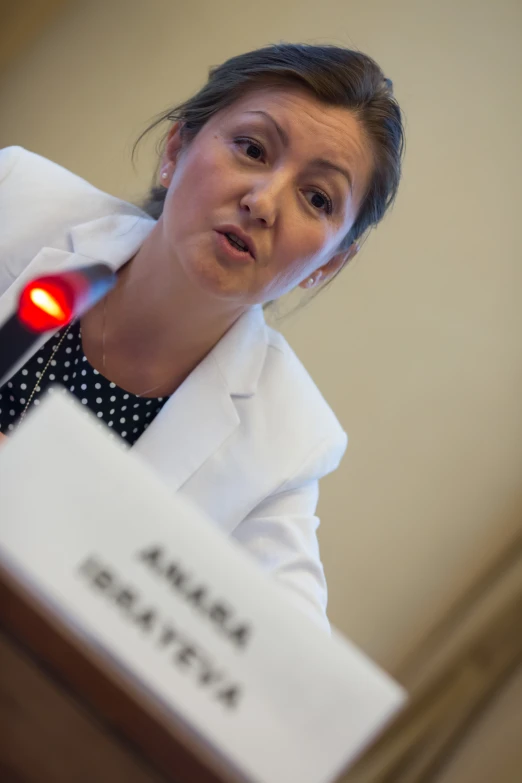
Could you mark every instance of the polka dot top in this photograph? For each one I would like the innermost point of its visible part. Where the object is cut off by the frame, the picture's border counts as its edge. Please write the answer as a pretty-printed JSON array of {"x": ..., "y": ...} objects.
[{"x": 123, "y": 413}]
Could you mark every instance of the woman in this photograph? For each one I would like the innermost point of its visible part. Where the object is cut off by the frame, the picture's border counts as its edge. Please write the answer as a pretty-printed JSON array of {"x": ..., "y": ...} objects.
[{"x": 269, "y": 177}]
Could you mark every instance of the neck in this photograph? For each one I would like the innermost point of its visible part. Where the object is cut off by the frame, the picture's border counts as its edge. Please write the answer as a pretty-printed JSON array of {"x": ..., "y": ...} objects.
[{"x": 158, "y": 324}]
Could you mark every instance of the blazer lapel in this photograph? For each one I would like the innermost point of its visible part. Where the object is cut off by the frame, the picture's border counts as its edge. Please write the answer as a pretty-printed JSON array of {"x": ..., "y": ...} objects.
[
  {"x": 202, "y": 414},
  {"x": 196, "y": 420}
]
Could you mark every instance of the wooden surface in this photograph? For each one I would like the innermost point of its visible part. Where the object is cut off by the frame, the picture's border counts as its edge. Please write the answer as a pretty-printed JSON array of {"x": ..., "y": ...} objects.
[
  {"x": 70, "y": 677},
  {"x": 46, "y": 736}
]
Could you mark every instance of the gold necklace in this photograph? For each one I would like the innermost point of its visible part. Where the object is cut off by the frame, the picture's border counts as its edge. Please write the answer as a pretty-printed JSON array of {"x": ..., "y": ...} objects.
[
  {"x": 55, "y": 351},
  {"x": 39, "y": 380}
]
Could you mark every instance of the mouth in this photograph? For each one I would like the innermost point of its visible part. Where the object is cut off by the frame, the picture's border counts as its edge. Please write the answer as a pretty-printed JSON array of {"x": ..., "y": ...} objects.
[
  {"x": 238, "y": 238},
  {"x": 234, "y": 247}
]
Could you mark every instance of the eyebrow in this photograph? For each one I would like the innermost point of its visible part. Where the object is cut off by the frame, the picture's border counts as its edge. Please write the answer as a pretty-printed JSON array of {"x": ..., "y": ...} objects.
[{"x": 321, "y": 162}]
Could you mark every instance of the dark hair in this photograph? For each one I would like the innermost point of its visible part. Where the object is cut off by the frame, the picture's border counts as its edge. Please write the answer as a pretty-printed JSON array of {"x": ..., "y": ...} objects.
[{"x": 334, "y": 75}]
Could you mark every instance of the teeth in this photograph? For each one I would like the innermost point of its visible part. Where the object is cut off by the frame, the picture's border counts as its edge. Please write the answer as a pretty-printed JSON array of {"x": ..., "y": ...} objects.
[{"x": 238, "y": 241}]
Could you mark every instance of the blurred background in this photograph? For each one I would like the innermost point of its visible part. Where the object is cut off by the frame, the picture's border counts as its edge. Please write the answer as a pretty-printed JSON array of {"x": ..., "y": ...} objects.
[{"x": 417, "y": 346}]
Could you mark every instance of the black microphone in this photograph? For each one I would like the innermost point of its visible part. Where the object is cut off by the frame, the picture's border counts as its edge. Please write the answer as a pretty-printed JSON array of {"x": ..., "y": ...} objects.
[{"x": 48, "y": 303}]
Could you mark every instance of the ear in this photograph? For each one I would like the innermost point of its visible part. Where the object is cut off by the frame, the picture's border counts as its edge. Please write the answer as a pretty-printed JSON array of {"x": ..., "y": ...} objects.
[
  {"x": 331, "y": 268},
  {"x": 171, "y": 152}
]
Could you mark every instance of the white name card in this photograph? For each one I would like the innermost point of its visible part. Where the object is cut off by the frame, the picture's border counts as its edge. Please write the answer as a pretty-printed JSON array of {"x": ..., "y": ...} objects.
[{"x": 150, "y": 580}]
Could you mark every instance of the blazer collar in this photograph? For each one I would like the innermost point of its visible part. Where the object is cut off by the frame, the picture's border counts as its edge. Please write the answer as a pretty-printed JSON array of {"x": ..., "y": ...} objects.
[
  {"x": 201, "y": 414},
  {"x": 239, "y": 355},
  {"x": 112, "y": 239}
]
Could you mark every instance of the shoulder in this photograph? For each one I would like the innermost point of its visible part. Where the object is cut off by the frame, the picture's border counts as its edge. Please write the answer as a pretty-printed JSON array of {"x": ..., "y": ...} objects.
[
  {"x": 34, "y": 182},
  {"x": 20, "y": 167},
  {"x": 9, "y": 156},
  {"x": 298, "y": 413},
  {"x": 40, "y": 201}
]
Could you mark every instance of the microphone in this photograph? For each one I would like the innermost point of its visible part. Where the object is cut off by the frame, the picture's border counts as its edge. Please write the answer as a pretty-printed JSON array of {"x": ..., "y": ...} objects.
[{"x": 51, "y": 302}]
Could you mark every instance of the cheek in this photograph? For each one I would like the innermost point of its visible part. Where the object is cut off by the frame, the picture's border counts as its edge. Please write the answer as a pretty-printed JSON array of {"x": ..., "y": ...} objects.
[
  {"x": 301, "y": 250},
  {"x": 194, "y": 187}
]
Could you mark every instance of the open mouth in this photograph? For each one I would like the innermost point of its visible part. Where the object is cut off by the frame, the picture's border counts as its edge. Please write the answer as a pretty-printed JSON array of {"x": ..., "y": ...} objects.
[
  {"x": 237, "y": 243},
  {"x": 233, "y": 247}
]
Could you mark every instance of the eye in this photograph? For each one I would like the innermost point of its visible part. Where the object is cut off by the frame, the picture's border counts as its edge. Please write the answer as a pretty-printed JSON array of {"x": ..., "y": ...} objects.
[
  {"x": 326, "y": 207},
  {"x": 251, "y": 143},
  {"x": 326, "y": 199}
]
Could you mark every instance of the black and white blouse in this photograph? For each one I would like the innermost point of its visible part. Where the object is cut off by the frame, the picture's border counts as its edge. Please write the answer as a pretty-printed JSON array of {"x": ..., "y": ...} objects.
[{"x": 124, "y": 413}]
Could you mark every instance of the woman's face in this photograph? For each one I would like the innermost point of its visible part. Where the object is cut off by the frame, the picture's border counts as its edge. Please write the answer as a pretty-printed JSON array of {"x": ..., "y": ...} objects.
[{"x": 281, "y": 187}]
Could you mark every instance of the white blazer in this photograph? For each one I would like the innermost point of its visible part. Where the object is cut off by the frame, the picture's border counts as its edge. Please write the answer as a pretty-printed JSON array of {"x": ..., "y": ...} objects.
[{"x": 247, "y": 436}]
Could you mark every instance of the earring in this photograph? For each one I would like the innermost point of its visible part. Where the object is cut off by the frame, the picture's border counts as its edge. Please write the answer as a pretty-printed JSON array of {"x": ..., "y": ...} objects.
[{"x": 164, "y": 175}]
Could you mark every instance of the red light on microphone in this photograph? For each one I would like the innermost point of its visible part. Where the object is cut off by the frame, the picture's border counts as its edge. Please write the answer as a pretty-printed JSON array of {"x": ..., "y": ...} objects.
[
  {"x": 49, "y": 303},
  {"x": 45, "y": 304}
]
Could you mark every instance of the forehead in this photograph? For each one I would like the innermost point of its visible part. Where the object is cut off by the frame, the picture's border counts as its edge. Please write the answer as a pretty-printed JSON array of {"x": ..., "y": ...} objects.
[{"x": 313, "y": 127}]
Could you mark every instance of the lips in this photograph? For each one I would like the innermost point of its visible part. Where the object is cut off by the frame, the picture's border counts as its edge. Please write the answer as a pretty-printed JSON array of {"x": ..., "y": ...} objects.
[
  {"x": 245, "y": 238},
  {"x": 231, "y": 251}
]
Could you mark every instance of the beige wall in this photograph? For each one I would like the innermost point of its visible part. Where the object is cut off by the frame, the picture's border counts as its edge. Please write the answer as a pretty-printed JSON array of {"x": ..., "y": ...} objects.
[{"x": 418, "y": 345}]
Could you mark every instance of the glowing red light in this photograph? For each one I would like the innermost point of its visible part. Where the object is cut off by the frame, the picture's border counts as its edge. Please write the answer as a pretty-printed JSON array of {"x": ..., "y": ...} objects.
[{"x": 46, "y": 304}]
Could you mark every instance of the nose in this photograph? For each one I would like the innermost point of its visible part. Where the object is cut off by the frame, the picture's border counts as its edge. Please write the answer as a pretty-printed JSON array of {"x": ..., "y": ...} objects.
[{"x": 263, "y": 200}]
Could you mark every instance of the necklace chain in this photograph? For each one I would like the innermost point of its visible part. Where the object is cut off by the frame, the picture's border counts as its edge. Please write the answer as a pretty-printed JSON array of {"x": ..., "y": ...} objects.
[
  {"x": 55, "y": 351},
  {"x": 39, "y": 380}
]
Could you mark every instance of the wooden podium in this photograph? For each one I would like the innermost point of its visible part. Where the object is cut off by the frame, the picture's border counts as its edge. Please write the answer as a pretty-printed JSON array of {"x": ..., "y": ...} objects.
[
  {"x": 138, "y": 643},
  {"x": 66, "y": 714}
]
